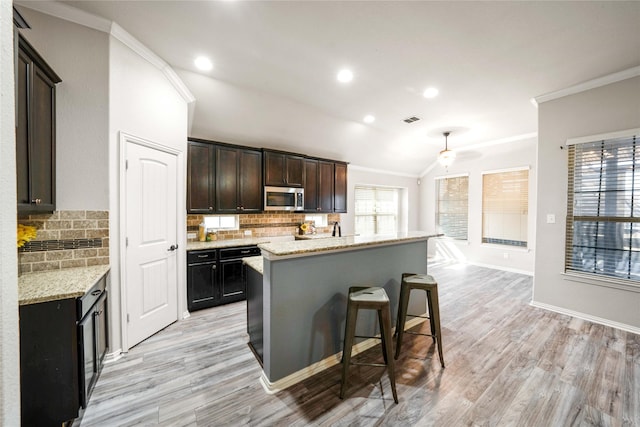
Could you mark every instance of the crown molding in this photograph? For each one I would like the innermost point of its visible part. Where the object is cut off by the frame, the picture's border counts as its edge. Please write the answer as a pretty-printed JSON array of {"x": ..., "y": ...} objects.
[
  {"x": 80, "y": 17},
  {"x": 381, "y": 171},
  {"x": 590, "y": 84}
]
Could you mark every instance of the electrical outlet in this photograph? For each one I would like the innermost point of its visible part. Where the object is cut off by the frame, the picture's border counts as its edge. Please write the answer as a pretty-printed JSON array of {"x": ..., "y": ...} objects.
[
  {"x": 192, "y": 235},
  {"x": 247, "y": 232},
  {"x": 506, "y": 255}
]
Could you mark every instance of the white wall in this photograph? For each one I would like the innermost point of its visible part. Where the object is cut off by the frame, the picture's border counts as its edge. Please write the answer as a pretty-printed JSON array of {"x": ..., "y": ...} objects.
[
  {"x": 605, "y": 109},
  {"x": 142, "y": 103},
  {"x": 494, "y": 157},
  {"x": 80, "y": 56},
  {"x": 361, "y": 176},
  {"x": 9, "y": 342}
]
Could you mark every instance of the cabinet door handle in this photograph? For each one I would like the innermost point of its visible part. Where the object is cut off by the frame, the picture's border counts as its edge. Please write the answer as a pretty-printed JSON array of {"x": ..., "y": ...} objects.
[
  {"x": 203, "y": 256},
  {"x": 96, "y": 293},
  {"x": 245, "y": 252},
  {"x": 36, "y": 201},
  {"x": 213, "y": 267},
  {"x": 210, "y": 208}
]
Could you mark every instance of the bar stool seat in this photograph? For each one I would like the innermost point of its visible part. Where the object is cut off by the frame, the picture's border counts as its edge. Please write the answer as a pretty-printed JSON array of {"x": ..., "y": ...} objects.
[
  {"x": 372, "y": 298},
  {"x": 426, "y": 283}
]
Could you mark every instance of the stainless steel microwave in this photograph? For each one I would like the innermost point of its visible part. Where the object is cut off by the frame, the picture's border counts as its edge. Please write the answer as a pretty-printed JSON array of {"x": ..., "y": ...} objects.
[{"x": 283, "y": 199}]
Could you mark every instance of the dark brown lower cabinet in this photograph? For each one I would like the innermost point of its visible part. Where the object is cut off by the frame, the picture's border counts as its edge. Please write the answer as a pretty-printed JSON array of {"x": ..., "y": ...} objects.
[
  {"x": 216, "y": 276},
  {"x": 62, "y": 347}
]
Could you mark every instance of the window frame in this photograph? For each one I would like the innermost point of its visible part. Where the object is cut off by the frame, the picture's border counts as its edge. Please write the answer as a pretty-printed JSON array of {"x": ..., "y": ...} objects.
[
  {"x": 376, "y": 214},
  {"x": 595, "y": 277},
  {"x": 504, "y": 243},
  {"x": 437, "y": 181}
]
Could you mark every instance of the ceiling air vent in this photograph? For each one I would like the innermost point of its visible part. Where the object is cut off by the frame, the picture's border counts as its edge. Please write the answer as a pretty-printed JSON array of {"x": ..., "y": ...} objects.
[{"x": 411, "y": 119}]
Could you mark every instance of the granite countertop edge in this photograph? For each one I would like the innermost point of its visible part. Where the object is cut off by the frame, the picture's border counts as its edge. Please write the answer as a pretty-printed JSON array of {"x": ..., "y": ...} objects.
[
  {"x": 54, "y": 285},
  {"x": 255, "y": 262},
  {"x": 215, "y": 244},
  {"x": 302, "y": 247}
]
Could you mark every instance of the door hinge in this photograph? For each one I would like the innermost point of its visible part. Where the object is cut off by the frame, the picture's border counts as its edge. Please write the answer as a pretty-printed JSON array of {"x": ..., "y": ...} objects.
[
  {"x": 126, "y": 242},
  {"x": 126, "y": 164},
  {"x": 127, "y": 317}
]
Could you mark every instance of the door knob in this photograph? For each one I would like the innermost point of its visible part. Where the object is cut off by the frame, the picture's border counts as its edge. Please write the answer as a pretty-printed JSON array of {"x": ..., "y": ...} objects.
[{"x": 173, "y": 248}]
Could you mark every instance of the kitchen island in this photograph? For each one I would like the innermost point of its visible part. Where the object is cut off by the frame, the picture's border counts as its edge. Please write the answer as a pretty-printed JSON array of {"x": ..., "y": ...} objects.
[{"x": 303, "y": 297}]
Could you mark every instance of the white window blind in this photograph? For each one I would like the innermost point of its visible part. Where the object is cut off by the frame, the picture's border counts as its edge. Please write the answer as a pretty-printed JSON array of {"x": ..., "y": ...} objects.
[
  {"x": 505, "y": 207},
  {"x": 376, "y": 210},
  {"x": 452, "y": 206},
  {"x": 603, "y": 211}
]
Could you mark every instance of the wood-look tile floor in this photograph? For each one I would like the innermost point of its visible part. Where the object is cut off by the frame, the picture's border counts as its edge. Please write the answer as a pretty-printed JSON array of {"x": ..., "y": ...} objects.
[{"x": 508, "y": 364}]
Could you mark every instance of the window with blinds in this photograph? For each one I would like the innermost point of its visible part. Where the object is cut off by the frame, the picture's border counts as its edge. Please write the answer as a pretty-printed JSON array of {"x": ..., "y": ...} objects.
[
  {"x": 452, "y": 206},
  {"x": 505, "y": 207},
  {"x": 603, "y": 211},
  {"x": 376, "y": 210}
]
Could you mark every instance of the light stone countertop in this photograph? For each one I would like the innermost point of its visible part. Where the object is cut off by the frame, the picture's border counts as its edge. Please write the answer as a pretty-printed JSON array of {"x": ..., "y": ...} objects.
[
  {"x": 255, "y": 262},
  {"x": 296, "y": 248},
  {"x": 58, "y": 284}
]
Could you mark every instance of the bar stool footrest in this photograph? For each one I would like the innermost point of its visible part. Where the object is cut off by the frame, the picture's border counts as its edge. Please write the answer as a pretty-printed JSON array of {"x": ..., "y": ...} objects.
[
  {"x": 379, "y": 365},
  {"x": 366, "y": 336},
  {"x": 415, "y": 315},
  {"x": 419, "y": 333}
]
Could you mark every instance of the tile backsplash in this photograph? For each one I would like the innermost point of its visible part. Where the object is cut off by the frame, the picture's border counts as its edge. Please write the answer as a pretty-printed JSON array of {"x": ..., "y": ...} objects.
[
  {"x": 65, "y": 239},
  {"x": 264, "y": 224}
]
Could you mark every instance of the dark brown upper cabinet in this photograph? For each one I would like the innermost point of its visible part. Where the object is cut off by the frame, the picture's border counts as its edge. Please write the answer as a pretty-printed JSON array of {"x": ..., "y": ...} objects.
[
  {"x": 318, "y": 187},
  {"x": 238, "y": 180},
  {"x": 282, "y": 169},
  {"x": 340, "y": 188},
  {"x": 201, "y": 177},
  {"x": 35, "y": 131}
]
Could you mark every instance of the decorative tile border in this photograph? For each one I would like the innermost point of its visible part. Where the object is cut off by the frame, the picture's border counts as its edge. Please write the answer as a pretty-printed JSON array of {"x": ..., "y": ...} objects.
[
  {"x": 264, "y": 224},
  {"x": 65, "y": 239}
]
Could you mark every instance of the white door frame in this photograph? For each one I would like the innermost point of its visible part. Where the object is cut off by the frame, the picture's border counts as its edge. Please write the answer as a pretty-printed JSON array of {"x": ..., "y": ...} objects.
[{"x": 124, "y": 139}]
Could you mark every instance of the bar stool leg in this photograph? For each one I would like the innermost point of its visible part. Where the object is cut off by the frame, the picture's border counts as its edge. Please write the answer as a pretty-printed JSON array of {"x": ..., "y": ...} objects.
[
  {"x": 402, "y": 316},
  {"x": 385, "y": 332},
  {"x": 432, "y": 322},
  {"x": 349, "y": 333},
  {"x": 435, "y": 314}
]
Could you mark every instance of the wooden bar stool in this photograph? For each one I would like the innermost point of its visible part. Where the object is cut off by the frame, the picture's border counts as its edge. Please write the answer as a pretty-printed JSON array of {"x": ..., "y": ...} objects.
[
  {"x": 372, "y": 298},
  {"x": 426, "y": 283}
]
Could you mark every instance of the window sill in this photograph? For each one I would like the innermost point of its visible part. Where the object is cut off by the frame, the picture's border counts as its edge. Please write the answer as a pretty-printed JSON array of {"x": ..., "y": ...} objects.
[{"x": 608, "y": 282}]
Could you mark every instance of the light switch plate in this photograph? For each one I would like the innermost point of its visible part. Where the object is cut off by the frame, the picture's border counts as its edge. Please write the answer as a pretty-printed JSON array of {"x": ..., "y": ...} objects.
[{"x": 551, "y": 219}]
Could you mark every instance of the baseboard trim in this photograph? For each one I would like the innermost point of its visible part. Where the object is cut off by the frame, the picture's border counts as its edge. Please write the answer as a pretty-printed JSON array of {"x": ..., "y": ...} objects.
[
  {"x": 333, "y": 360},
  {"x": 113, "y": 356},
  {"x": 588, "y": 317}
]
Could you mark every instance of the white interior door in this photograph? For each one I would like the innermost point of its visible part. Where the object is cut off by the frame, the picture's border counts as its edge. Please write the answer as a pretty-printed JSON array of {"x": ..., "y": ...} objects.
[{"x": 151, "y": 278}]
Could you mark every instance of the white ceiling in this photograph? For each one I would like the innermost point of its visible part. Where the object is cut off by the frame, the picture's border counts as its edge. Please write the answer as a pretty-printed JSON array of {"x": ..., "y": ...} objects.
[{"x": 273, "y": 82}]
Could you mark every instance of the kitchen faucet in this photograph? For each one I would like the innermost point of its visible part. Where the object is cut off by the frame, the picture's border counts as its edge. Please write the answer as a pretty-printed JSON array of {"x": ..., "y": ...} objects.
[{"x": 336, "y": 224}]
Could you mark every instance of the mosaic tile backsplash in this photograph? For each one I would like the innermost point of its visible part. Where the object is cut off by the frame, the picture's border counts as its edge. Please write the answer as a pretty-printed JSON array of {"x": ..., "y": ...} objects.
[
  {"x": 65, "y": 239},
  {"x": 264, "y": 225}
]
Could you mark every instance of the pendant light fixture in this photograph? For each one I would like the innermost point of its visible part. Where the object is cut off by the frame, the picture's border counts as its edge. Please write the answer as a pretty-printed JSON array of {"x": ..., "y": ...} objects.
[{"x": 446, "y": 156}]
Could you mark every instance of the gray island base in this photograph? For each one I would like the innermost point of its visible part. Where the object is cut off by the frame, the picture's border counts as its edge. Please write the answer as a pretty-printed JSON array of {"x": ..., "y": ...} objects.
[{"x": 303, "y": 298}]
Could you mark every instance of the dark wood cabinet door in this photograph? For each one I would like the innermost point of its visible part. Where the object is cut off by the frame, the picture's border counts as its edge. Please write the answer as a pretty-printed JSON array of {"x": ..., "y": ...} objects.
[
  {"x": 232, "y": 281},
  {"x": 200, "y": 177},
  {"x": 311, "y": 185},
  {"x": 202, "y": 286},
  {"x": 294, "y": 168},
  {"x": 274, "y": 169},
  {"x": 227, "y": 180},
  {"x": 282, "y": 169},
  {"x": 35, "y": 131},
  {"x": 42, "y": 142},
  {"x": 22, "y": 130},
  {"x": 250, "y": 181},
  {"x": 325, "y": 186},
  {"x": 340, "y": 188}
]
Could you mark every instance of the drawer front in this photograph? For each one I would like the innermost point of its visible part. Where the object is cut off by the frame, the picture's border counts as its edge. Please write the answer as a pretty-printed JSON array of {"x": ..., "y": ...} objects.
[
  {"x": 196, "y": 257},
  {"x": 239, "y": 252},
  {"x": 90, "y": 298}
]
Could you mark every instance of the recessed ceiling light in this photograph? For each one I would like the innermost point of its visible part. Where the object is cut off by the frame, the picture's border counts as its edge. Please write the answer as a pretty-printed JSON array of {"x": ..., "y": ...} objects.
[
  {"x": 345, "y": 76},
  {"x": 369, "y": 119},
  {"x": 203, "y": 63},
  {"x": 430, "y": 92}
]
